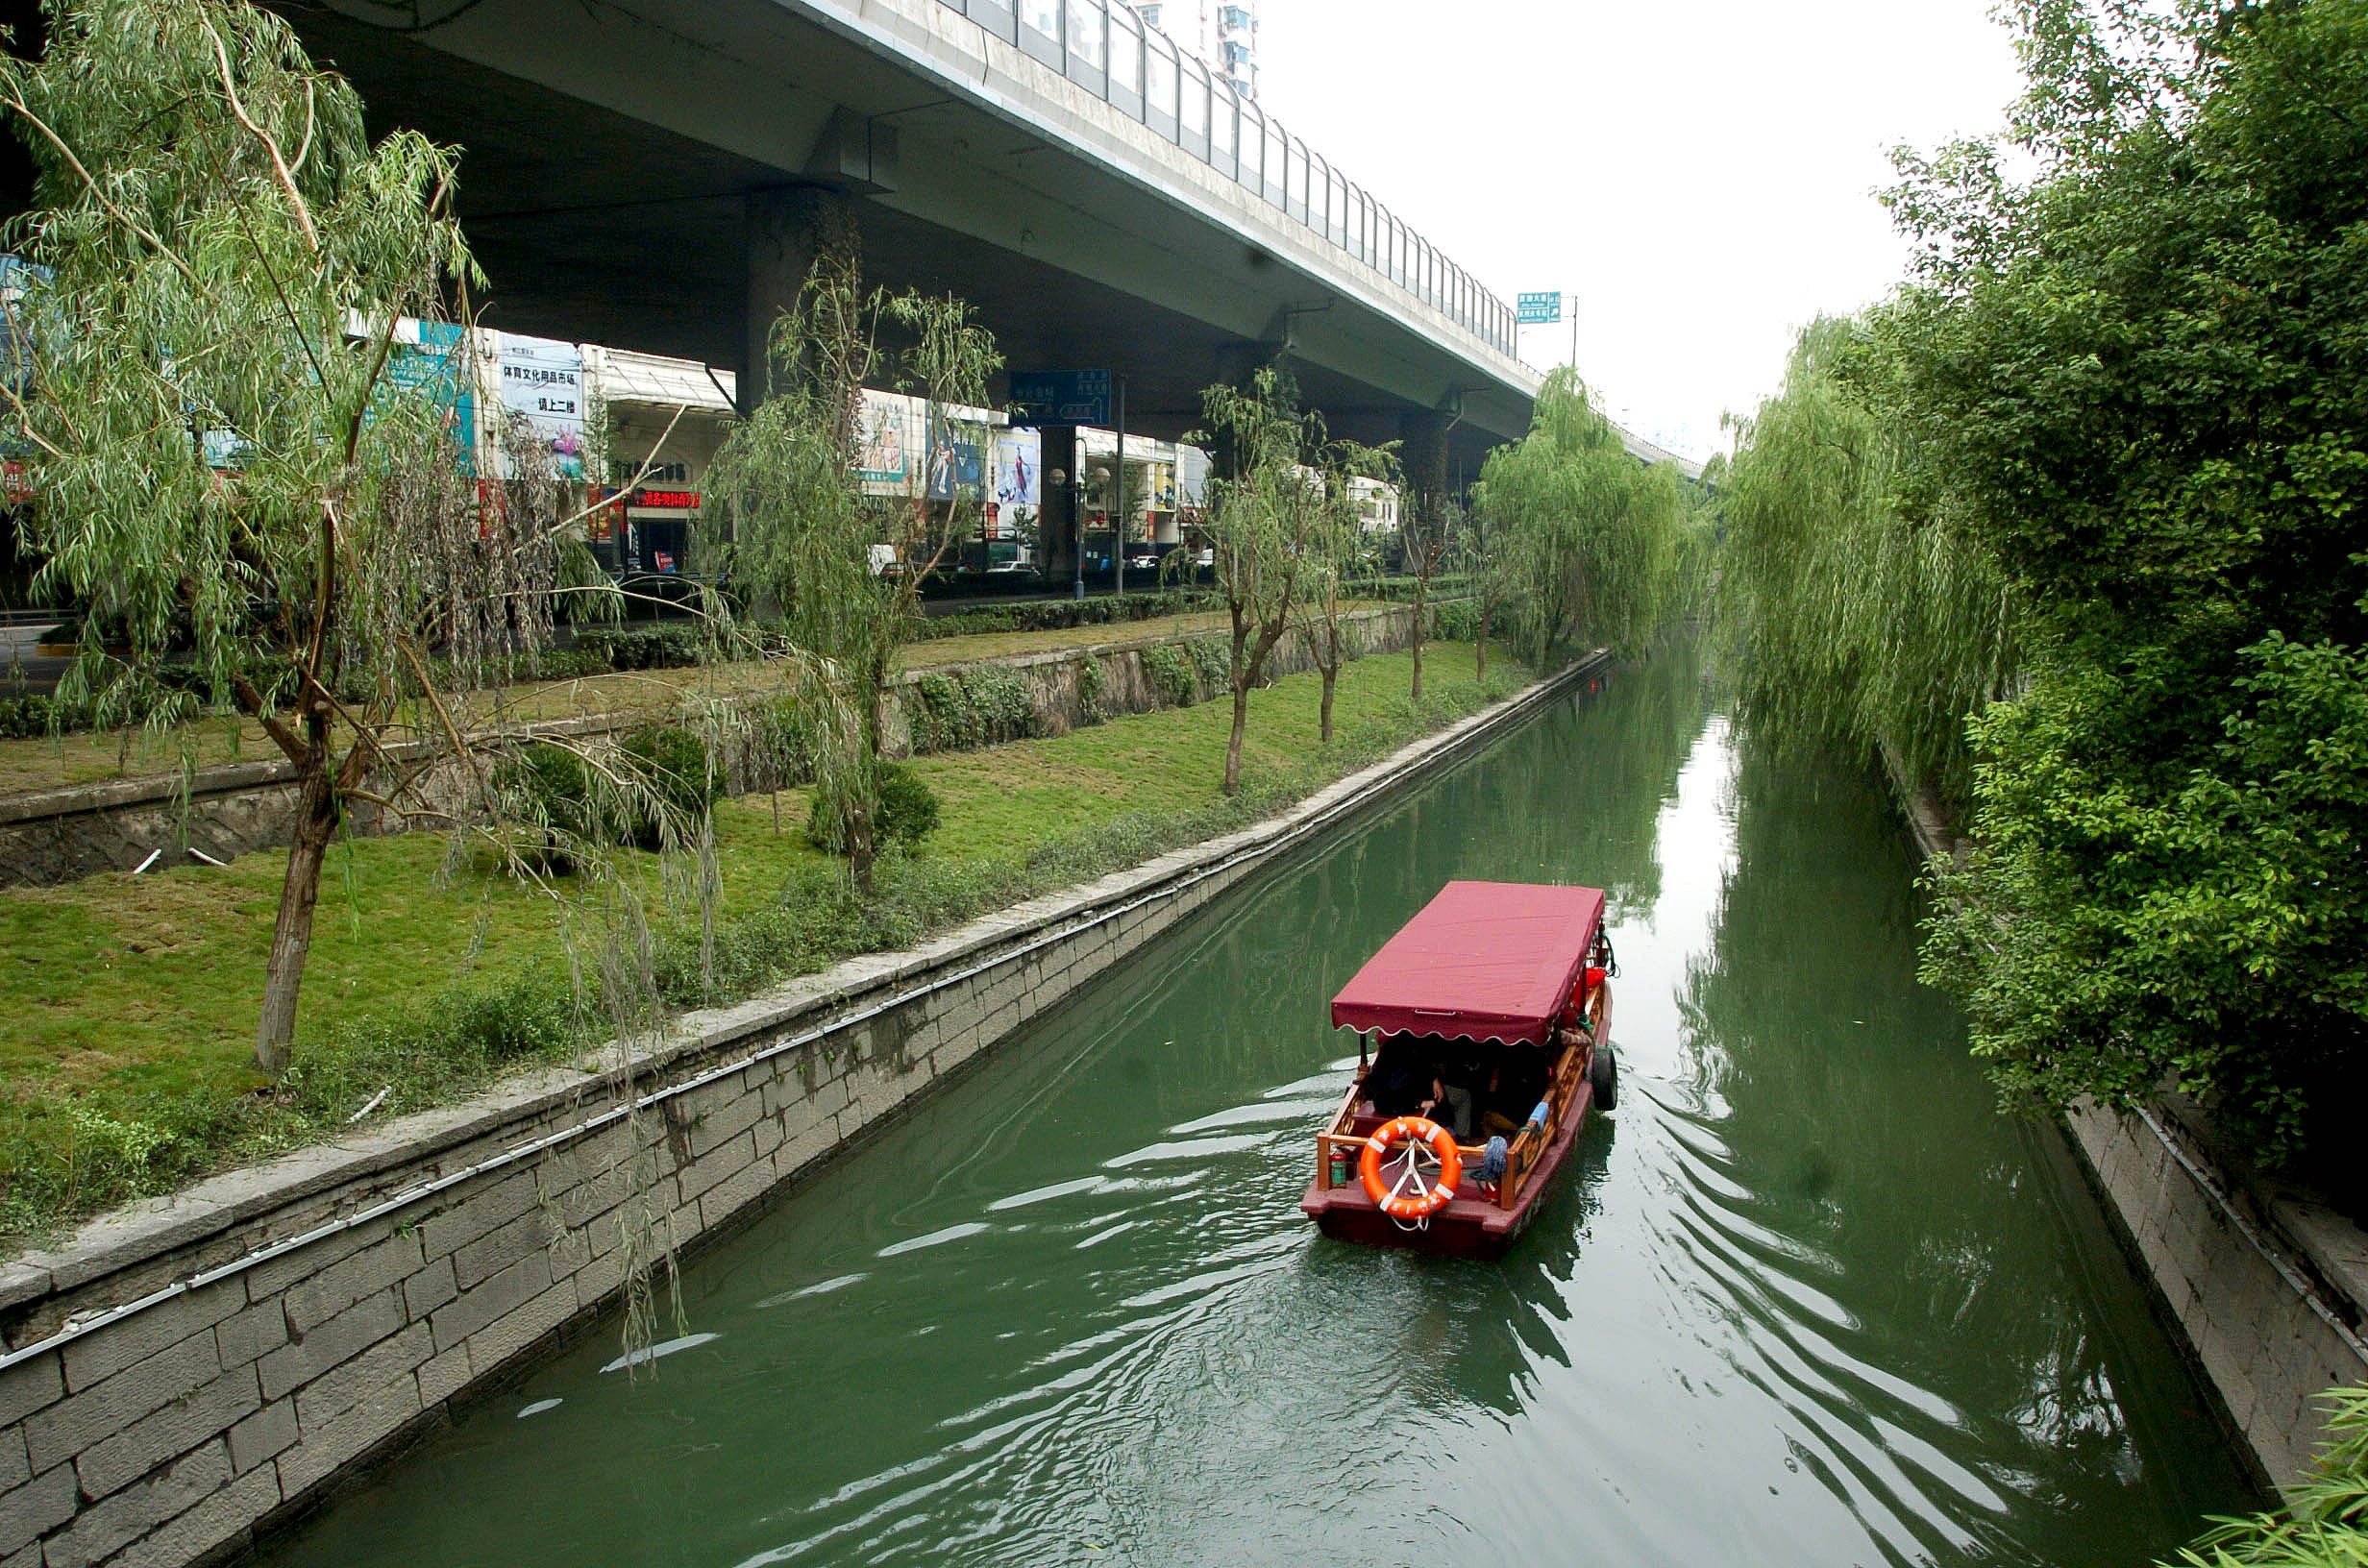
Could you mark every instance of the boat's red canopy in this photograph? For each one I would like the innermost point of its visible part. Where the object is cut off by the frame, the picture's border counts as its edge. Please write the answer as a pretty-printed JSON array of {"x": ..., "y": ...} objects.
[{"x": 1482, "y": 961}]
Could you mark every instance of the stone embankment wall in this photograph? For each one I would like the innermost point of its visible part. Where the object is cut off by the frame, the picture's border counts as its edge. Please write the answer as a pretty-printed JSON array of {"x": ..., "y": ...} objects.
[
  {"x": 58, "y": 835},
  {"x": 2269, "y": 1289},
  {"x": 191, "y": 1370}
]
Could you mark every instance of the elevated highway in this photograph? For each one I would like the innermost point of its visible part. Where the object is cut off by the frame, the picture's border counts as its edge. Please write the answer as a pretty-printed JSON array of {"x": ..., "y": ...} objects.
[{"x": 650, "y": 172}]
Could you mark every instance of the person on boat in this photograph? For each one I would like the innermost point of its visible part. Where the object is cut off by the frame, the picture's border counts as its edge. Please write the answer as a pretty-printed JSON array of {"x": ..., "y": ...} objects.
[
  {"x": 1401, "y": 1080},
  {"x": 1516, "y": 1082},
  {"x": 1450, "y": 1105}
]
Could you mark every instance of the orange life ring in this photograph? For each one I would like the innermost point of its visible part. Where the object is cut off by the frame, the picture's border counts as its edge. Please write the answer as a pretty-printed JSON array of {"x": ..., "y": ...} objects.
[{"x": 1412, "y": 1197}]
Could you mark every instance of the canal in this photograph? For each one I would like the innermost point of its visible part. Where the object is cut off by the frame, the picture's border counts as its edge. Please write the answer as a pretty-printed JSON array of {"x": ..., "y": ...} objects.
[{"x": 1808, "y": 1299}]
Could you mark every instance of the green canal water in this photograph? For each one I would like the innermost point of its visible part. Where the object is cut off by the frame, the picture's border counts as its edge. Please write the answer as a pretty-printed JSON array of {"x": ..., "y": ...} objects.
[{"x": 1806, "y": 1299}]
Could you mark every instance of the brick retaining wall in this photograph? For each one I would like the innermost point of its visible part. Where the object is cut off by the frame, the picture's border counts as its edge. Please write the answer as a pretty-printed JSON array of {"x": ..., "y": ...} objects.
[{"x": 193, "y": 1369}]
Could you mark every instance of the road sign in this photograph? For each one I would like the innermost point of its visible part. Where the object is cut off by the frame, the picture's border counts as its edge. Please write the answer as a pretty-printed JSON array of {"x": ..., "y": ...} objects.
[
  {"x": 1060, "y": 397},
  {"x": 1536, "y": 309}
]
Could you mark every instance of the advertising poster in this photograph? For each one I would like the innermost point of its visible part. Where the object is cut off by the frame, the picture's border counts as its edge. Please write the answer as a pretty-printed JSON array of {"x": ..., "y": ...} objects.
[
  {"x": 543, "y": 380},
  {"x": 1192, "y": 478},
  {"x": 956, "y": 461},
  {"x": 431, "y": 357},
  {"x": 884, "y": 459},
  {"x": 1017, "y": 456}
]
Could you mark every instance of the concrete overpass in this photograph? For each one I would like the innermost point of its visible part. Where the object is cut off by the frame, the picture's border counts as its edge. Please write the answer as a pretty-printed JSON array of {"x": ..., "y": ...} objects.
[{"x": 645, "y": 173}]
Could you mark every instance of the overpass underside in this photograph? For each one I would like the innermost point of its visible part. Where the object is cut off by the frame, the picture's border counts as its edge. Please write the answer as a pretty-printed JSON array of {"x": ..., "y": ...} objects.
[{"x": 618, "y": 167}]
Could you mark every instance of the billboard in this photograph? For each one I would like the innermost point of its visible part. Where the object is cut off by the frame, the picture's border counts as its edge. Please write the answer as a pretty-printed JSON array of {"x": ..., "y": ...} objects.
[
  {"x": 957, "y": 465},
  {"x": 542, "y": 382},
  {"x": 1017, "y": 457},
  {"x": 885, "y": 445}
]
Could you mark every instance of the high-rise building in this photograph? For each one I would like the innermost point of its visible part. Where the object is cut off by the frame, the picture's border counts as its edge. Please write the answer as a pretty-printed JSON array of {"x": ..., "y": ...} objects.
[{"x": 1222, "y": 34}]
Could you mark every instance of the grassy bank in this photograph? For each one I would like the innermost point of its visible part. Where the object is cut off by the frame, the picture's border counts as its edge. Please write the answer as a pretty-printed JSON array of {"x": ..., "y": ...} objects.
[
  {"x": 54, "y": 761},
  {"x": 129, "y": 1000}
]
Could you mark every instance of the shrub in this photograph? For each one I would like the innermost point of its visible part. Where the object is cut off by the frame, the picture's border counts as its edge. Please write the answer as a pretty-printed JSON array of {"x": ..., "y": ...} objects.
[
  {"x": 674, "y": 776},
  {"x": 28, "y": 717},
  {"x": 1004, "y": 700},
  {"x": 1458, "y": 621},
  {"x": 955, "y": 712},
  {"x": 1168, "y": 670},
  {"x": 549, "y": 790},
  {"x": 907, "y": 805},
  {"x": 1213, "y": 661},
  {"x": 907, "y": 812},
  {"x": 1091, "y": 678}
]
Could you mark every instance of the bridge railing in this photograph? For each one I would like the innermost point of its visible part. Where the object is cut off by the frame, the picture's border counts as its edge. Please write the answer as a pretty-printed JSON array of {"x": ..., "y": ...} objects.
[{"x": 1106, "y": 48}]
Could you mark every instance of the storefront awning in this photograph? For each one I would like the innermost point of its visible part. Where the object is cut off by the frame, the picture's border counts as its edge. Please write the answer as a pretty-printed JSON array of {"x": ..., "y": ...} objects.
[{"x": 626, "y": 377}]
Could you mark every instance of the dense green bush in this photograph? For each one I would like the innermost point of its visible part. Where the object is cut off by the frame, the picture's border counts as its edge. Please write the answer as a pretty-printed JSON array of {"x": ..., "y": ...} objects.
[
  {"x": 1211, "y": 663},
  {"x": 25, "y": 717},
  {"x": 548, "y": 788},
  {"x": 1458, "y": 621},
  {"x": 908, "y": 812},
  {"x": 1167, "y": 670},
  {"x": 907, "y": 805},
  {"x": 978, "y": 706},
  {"x": 672, "y": 776}
]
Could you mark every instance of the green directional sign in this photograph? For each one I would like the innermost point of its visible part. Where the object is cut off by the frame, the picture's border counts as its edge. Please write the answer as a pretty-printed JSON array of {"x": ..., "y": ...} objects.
[{"x": 1538, "y": 309}]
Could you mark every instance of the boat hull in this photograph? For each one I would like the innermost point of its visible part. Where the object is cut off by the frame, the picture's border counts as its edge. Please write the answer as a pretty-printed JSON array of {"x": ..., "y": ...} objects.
[{"x": 1468, "y": 1227}]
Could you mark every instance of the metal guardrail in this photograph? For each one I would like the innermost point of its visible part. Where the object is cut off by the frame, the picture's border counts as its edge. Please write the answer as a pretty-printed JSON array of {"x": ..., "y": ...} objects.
[{"x": 1104, "y": 47}]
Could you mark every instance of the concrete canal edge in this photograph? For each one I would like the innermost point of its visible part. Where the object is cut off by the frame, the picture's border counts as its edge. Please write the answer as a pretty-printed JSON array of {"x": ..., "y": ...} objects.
[
  {"x": 2268, "y": 1290},
  {"x": 191, "y": 1370}
]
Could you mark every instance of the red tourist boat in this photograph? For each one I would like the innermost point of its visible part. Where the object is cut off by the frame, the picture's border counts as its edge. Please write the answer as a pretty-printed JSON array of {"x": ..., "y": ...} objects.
[{"x": 1484, "y": 1039}]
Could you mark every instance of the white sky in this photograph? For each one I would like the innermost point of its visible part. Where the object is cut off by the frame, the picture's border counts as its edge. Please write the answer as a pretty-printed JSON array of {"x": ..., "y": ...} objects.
[{"x": 1699, "y": 172}]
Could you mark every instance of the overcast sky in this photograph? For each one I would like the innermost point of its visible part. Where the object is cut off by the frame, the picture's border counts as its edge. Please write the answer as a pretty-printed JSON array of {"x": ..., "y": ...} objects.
[{"x": 1698, "y": 172}]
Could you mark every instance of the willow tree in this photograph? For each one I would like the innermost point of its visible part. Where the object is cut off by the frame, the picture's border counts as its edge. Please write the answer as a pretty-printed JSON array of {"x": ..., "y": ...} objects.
[
  {"x": 238, "y": 471},
  {"x": 1267, "y": 514},
  {"x": 799, "y": 530},
  {"x": 1590, "y": 541},
  {"x": 1844, "y": 618},
  {"x": 1335, "y": 549}
]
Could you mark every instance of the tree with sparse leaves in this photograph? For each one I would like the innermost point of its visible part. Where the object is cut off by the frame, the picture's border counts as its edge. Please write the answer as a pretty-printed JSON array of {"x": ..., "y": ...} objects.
[
  {"x": 1266, "y": 513},
  {"x": 798, "y": 530}
]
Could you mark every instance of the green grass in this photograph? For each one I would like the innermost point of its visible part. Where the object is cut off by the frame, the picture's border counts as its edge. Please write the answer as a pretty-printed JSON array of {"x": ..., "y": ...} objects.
[{"x": 130, "y": 1001}]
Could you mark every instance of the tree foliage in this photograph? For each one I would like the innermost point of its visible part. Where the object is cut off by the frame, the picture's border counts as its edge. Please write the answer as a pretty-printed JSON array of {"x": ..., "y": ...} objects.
[
  {"x": 798, "y": 530},
  {"x": 236, "y": 467},
  {"x": 2126, "y": 397},
  {"x": 1591, "y": 542},
  {"x": 1283, "y": 494},
  {"x": 1842, "y": 619}
]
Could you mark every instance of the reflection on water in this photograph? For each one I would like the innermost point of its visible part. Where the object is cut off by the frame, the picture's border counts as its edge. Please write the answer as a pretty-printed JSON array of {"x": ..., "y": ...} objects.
[{"x": 1805, "y": 1300}]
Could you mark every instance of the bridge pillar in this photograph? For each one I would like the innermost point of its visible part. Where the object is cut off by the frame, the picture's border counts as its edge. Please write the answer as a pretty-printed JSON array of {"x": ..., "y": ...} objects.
[
  {"x": 1423, "y": 455},
  {"x": 784, "y": 229}
]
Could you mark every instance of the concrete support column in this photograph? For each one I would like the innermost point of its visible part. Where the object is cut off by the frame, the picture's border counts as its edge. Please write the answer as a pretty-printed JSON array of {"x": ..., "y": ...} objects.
[
  {"x": 783, "y": 230},
  {"x": 1423, "y": 455},
  {"x": 1057, "y": 524}
]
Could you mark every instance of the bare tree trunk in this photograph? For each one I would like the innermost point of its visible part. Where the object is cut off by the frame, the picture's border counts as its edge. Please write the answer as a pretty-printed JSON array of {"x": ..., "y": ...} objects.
[
  {"x": 1422, "y": 592},
  {"x": 1233, "y": 746},
  {"x": 1331, "y": 674},
  {"x": 291, "y": 934},
  {"x": 1240, "y": 675}
]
